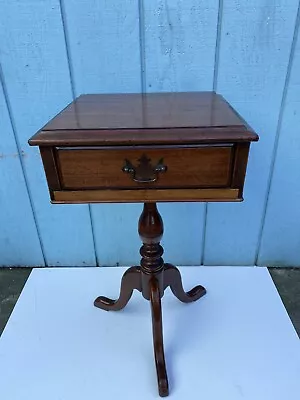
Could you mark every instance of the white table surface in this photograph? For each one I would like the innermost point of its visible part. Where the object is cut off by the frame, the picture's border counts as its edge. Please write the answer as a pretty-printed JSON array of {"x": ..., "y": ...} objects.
[{"x": 237, "y": 342}]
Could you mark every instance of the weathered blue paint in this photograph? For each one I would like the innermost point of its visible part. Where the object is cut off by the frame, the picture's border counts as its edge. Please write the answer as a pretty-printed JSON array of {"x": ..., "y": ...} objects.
[
  {"x": 255, "y": 46},
  {"x": 54, "y": 50},
  {"x": 280, "y": 244},
  {"x": 19, "y": 241},
  {"x": 36, "y": 76}
]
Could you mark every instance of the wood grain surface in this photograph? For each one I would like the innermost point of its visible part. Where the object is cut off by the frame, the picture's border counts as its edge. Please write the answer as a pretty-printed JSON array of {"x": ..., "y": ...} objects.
[{"x": 186, "y": 167}]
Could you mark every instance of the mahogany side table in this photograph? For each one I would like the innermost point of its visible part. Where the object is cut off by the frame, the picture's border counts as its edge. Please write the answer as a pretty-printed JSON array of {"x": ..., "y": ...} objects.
[{"x": 147, "y": 148}]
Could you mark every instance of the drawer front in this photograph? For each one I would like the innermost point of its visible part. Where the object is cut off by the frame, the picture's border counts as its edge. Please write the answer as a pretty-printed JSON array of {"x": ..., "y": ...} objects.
[{"x": 139, "y": 168}]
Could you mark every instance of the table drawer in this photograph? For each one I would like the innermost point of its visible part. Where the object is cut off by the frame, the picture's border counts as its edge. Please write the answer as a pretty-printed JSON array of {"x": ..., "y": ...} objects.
[{"x": 134, "y": 168}]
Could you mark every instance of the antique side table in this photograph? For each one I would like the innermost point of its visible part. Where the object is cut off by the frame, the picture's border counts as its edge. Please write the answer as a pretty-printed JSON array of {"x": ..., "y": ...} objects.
[{"x": 147, "y": 148}]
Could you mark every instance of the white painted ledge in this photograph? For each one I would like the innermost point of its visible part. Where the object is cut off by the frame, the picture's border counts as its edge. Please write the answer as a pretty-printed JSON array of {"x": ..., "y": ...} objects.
[{"x": 235, "y": 343}]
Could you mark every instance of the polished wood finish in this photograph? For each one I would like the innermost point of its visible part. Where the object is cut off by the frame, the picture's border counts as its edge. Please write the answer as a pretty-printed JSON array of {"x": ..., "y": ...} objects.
[
  {"x": 156, "y": 118},
  {"x": 240, "y": 166},
  {"x": 145, "y": 111},
  {"x": 172, "y": 278},
  {"x": 186, "y": 167},
  {"x": 158, "y": 341},
  {"x": 50, "y": 166},
  {"x": 131, "y": 280},
  {"x": 151, "y": 230},
  {"x": 125, "y": 137},
  {"x": 147, "y": 148},
  {"x": 139, "y": 196},
  {"x": 152, "y": 278}
]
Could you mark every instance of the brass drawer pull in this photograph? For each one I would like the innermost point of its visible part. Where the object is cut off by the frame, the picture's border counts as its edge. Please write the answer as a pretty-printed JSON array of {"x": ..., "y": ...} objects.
[{"x": 144, "y": 172}]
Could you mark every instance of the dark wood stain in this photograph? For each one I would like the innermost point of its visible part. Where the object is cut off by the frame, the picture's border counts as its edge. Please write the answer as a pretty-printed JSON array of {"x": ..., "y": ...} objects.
[
  {"x": 50, "y": 166},
  {"x": 240, "y": 166},
  {"x": 147, "y": 148},
  {"x": 186, "y": 167},
  {"x": 146, "y": 111},
  {"x": 152, "y": 278},
  {"x": 196, "y": 117},
  {"x": 117, "y": 137}
]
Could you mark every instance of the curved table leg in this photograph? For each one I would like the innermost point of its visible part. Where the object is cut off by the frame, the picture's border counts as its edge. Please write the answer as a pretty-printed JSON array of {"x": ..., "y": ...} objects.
[
  {"x": 162, "y": 379},
  {"x": 172, "y": 278},
  {"x": 131, "y": 280}
]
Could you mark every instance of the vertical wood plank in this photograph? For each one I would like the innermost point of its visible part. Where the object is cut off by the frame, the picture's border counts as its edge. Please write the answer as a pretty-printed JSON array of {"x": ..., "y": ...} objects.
[
  {"x": 104, "y": 49},
  {"x": 180, "y": 42},
  {"x": 37, "y": 78},
  {"x": 281, "y": 234},
  {"x": 256, "y": 40},
  {"x": 19, "y": 241},
  {"x": 103, "y": 38}
]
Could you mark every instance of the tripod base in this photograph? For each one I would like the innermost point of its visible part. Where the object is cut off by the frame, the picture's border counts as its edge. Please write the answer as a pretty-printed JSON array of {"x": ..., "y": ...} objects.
[
  {"x": 132, "y": 279},
  {"x": 152, "y": 278}
]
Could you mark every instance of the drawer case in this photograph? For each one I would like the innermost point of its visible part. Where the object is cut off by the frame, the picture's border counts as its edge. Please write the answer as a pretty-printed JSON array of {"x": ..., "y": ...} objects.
[
  {"x": 119, "y": 148},
  {"x": 191, "y": 173}
]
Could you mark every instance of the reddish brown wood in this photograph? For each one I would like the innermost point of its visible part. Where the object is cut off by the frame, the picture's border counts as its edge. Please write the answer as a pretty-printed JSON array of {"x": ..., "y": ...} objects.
[
  {"x": 240, "y": 166},
  {"x": 152, "y": 278},
  {"x": 158, "y": 341},
  {"x": 172, "y": 278},
  {"x": 185, "y": 167},
  {"x": 151, "y": 230},
  {"x": 50, "y": 167},
  {"x": 196, "y": 144},
  {"x": 125, "y": 137},
  {"x": 147, "y": 148},
  {"x": 131, "y": 280},
  {"x": 194, "y": 117},
  {"x": 142, "y": 111}
]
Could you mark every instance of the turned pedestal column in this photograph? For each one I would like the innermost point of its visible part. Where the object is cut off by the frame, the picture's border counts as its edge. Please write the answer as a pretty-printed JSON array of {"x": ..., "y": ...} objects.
[{"x": 152, "y": 278}]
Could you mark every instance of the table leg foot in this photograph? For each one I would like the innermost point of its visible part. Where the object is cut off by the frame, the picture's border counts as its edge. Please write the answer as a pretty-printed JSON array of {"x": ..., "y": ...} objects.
[
  {"x": 131, "y": 280},
  {"x": 162, "y": 379},
  {"x": 172, "y": 278}
]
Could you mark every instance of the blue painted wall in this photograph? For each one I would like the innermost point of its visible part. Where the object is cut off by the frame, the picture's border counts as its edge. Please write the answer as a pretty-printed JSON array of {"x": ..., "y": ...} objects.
[{"x": 51, "y": 51}]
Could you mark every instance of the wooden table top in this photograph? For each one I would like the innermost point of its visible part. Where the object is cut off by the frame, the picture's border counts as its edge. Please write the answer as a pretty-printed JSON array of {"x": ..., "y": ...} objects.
[{"x": 156, "y": 118}]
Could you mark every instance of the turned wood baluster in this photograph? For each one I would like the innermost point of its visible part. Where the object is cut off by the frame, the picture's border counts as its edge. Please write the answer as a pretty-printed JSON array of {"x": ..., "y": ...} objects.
[{"x": 151, "y": 230}]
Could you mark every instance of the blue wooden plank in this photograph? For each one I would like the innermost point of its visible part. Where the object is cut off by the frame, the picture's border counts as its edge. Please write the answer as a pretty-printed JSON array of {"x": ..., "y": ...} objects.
[
  {"x": 180, "y": 42},
  {"x": 37, "y": 78},
  {"x": 281, "y": 234},
  {"x": 19, "y": 241},
  {"x": 256, "y": 40},
  {"x": 103, "y": 39},
  {"x": 116, "y": 233},
  {"x": 183, "y": 235},
  {"x": 104, "y": 49}
]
